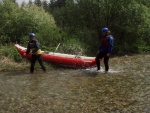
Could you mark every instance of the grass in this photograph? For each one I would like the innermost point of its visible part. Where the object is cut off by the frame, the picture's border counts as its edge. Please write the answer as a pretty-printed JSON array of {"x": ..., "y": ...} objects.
[{"x": 8, "y": 64}]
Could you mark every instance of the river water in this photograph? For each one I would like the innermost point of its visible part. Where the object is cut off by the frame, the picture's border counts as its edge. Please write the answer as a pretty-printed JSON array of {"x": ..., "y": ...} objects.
[{"x": 125, "y": 89}]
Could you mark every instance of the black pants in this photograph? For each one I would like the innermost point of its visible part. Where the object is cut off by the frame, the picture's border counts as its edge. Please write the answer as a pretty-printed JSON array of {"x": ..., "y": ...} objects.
[
  {"x": 33, "y": 60},
  {"x": 99, "y": 56}
]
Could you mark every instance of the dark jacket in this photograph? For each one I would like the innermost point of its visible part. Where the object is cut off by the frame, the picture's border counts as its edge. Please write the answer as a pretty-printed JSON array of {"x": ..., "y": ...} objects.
[{"x": 33, "y": 45}]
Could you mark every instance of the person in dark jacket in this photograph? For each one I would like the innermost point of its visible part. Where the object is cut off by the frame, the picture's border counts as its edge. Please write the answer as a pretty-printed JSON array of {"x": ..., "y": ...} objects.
[
  {"x": 34, "y": 47},
  {"x": 105, "y": 49}
]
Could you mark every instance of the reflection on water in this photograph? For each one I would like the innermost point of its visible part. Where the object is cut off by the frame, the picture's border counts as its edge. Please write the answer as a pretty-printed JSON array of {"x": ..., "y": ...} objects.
[{"x": 125, "y": 89}]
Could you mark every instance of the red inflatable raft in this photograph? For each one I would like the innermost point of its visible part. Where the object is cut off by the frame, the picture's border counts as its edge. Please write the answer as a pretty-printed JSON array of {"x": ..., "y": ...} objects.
[{"x": 62, "y": 59}]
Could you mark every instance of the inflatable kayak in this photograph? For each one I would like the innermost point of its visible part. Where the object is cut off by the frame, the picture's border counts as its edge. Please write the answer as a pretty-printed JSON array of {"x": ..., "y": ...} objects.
[{"x": 62, "y": 59}]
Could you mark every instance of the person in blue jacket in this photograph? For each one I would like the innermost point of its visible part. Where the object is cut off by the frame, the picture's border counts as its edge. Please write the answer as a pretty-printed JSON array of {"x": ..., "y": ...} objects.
[
  {"x": 34, "y": 47},
  {"x": 105, "y": 49}
]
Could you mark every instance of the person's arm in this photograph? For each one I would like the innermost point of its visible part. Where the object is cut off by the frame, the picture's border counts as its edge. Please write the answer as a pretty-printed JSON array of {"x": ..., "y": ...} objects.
[
  {"x": 110, "y": 44},
  {"x": 37, "y": 44},
  {"x": 28, "y": 49}
]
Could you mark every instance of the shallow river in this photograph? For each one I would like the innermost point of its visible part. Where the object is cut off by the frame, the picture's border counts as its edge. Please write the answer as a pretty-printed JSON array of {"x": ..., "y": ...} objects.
[{"x": 125, "y": 89}]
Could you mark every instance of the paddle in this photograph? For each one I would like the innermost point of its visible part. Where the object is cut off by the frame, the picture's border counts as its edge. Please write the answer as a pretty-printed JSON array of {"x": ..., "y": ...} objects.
[{"x": 56, "y": 48}]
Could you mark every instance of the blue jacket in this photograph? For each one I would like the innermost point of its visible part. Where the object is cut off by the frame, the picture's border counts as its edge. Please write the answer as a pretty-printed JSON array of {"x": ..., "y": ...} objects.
[{"x": 107, "y": 44}]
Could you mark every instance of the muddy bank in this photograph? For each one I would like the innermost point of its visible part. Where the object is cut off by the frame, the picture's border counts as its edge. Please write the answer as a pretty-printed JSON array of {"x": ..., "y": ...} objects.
[{"x": 9, "y": 65}]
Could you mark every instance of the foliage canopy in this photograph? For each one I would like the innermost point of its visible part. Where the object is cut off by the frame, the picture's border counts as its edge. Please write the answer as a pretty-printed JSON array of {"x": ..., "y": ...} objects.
[{"x": 78, "y": 22}]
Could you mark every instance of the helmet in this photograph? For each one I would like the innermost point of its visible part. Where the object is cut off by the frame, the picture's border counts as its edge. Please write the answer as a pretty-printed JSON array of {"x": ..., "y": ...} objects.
[
  {"x": 31, "y": 35},
  {"x": 105, "y": 30}
]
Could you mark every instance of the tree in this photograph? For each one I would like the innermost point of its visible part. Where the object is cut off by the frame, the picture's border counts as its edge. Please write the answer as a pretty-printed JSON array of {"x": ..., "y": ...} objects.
[
  {"x": 16, "y": 23},
  {"x": 54, "y": 4},
  {"x": 86, "y": 18},
  {"x": 9, "y": 11},
  {"x": 38, "y": 2},
  {"x": 44, "y": 26},
  {"x": 30, "y": 2},
  {"x": 60, "y": 3},
  {"x": 45, "y": 5}
]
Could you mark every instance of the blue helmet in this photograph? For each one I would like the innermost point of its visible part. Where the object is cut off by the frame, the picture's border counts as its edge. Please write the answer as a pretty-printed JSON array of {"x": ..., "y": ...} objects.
[
  {"x": 105, "y": 30},
  {"x": 31, "y": 35}
]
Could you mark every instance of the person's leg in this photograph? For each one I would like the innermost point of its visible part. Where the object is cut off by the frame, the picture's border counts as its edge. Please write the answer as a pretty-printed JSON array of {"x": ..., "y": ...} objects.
[
  {"x": 97, "y": 61},
  {"x": 33, "y": 60},
  {"x": 98, "y": 57},
  {"x": 106, "y": 59},
  {"x": 40, "y": 60}
]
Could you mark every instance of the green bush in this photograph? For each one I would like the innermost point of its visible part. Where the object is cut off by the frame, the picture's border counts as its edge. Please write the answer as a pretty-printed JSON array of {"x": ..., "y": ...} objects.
[
  {"x": 145, "y": 48},
  {"x": 10, "y": 52},
  {"x": 17, "y": 57}
]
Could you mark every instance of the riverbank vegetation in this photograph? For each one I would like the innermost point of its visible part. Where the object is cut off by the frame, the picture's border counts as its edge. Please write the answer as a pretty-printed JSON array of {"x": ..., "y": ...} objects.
[{"x": 75, "y": 24}]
